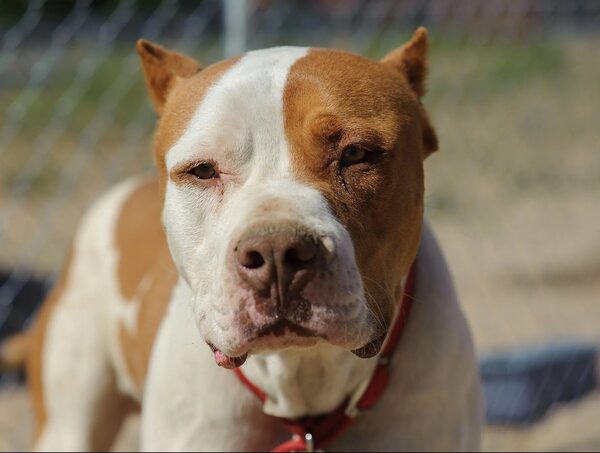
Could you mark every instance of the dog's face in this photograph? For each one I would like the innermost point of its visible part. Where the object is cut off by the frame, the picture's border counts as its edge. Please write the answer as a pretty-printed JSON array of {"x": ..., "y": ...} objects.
[{"x": 293, "y": 191}]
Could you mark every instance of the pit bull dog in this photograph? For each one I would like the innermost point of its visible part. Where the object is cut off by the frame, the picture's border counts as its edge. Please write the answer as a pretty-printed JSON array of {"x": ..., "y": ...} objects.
[{"x": 284, "y": 238}]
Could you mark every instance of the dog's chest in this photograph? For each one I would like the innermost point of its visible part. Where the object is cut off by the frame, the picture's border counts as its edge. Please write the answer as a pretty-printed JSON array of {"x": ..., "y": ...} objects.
[{"x": 301, "y": 383}]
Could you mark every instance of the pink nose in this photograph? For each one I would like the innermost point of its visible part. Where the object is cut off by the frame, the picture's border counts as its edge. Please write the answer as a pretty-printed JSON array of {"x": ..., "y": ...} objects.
[{"x": 278, "y": 262}]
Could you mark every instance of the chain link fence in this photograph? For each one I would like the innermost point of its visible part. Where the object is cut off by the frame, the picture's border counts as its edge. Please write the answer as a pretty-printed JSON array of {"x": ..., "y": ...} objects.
[{"x": 514, "y": 93}]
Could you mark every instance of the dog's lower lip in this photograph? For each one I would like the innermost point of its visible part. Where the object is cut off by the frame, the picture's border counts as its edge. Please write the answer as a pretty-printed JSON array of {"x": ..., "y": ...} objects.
[{"x": 371, "y": 349}]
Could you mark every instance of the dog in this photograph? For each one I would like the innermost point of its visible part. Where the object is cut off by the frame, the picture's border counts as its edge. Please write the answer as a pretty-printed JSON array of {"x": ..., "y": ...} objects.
[{"x": 284, "y": 239}]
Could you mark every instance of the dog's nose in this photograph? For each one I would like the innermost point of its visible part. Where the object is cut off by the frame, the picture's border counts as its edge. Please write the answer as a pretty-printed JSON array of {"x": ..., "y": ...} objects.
[{"x": 278, "y": 260}]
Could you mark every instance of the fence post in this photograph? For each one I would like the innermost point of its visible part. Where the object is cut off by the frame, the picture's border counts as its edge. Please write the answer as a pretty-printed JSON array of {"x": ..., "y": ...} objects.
[{"x": 235, "y": 27}]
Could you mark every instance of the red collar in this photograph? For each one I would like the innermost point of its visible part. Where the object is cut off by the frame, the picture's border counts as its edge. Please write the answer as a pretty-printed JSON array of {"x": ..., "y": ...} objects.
[{"x": 310, "y": 433}]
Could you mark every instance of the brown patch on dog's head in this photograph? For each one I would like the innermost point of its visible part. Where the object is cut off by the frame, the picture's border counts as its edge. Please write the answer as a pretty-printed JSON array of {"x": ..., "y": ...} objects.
[
  {"x": 336, "y": 100},
  {"x": 176, "y": 85},
  {"x": 411, "y": 61},
  {"x": 162, "y": 68}
]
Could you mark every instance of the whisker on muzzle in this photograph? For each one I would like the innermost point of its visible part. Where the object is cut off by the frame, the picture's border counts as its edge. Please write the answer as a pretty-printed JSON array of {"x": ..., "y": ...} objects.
[{"x": 375, "y": 303}]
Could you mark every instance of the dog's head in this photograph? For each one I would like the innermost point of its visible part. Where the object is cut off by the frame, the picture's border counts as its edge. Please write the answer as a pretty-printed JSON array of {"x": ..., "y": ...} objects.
[{"x": 292, "y": 181}]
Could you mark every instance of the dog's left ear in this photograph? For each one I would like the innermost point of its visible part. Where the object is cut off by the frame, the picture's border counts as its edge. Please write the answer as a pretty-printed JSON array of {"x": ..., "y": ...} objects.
[
  {"x": 411, "y": 61},
  {"x": 162, "y": 68}
]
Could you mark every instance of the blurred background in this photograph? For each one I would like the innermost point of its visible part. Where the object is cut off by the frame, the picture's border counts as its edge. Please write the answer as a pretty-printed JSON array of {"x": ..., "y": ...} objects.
[{"x": 513, "y": 194}]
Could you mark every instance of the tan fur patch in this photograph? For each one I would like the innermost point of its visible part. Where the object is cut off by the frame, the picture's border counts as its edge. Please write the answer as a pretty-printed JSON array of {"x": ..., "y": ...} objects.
[
  {"x": 139, "y": 237},
  {"x": 13, "y": 351},
  {"x": 335, "y": 99},
  {"x": 36, "y": 347},
  {"x": 410, "y": 60},
  {"x": 146, "y": 273}
]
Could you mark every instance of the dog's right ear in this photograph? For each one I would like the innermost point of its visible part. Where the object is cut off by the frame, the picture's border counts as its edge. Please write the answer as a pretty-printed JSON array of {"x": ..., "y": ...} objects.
[
  {"x": 162, "y": 68},
  {"x": 411, "y": 61}
]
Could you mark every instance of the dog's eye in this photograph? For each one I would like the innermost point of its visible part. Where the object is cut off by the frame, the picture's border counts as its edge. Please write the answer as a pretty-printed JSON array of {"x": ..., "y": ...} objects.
[
  {"x": 353, "y": 155},
  {"x": 204, "y": 170}
]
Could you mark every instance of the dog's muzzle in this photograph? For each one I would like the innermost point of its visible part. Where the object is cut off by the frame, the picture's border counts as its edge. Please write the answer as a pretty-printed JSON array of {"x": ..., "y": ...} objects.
[
  {"x": 274, "y": 262},
  {"x": 292, "y": 287}
]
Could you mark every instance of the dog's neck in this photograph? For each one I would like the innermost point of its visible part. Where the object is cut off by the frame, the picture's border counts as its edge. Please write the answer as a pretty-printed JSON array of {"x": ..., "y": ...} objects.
[{"x": 300, "y": 382}]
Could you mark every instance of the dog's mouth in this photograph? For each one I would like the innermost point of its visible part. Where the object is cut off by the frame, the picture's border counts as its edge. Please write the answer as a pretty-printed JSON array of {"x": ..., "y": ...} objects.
[
  {"x": 279, "y": 329},
  {"x": 284, "y": 329}
]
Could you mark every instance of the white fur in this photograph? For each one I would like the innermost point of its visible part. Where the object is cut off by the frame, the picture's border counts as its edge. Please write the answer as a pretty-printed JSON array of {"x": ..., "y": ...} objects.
[
  {"x": 242, "y": 114},
  {"x": 313, "y": 381}
]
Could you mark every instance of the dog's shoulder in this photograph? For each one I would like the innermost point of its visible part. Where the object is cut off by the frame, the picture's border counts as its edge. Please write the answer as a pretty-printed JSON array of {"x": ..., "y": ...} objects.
[{"x": 145, "y": 274}]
